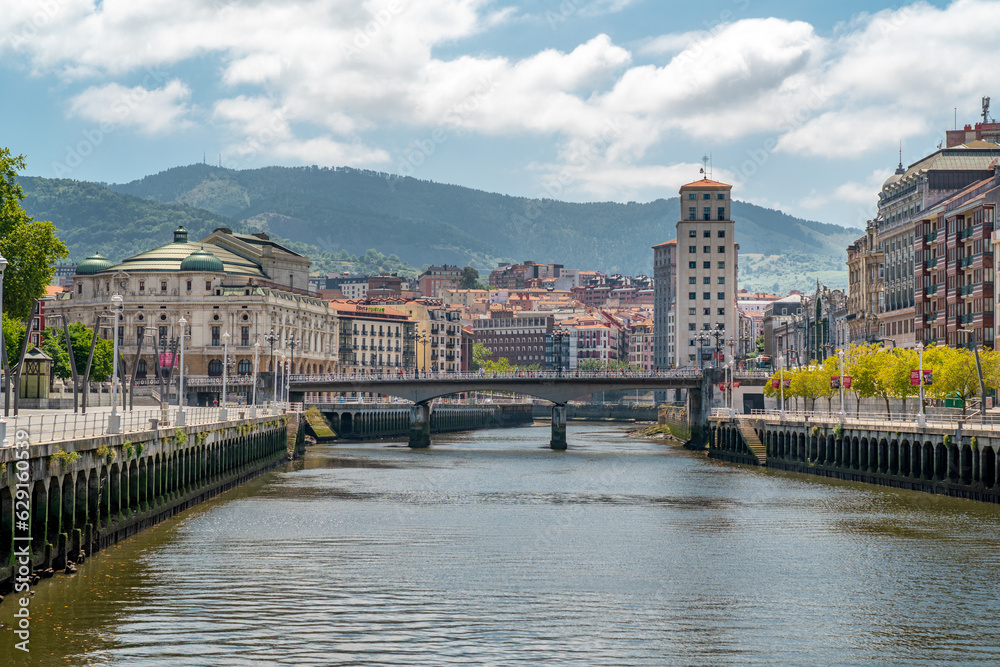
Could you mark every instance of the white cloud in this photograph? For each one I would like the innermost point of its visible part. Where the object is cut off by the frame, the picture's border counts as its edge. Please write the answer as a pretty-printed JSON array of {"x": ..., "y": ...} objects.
[{"x": 150, "y": 111}]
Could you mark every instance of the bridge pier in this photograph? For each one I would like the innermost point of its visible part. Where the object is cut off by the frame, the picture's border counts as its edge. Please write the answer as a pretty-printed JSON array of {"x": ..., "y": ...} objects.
[
  {"x": 558, "y": 426},
  {"x": 420, "y": 425}
]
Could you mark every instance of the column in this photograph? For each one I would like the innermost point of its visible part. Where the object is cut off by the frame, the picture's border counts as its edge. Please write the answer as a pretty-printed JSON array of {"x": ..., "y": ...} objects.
[
  {"x": 420, "y": 425},
  {"x": 558, "y": 426}
]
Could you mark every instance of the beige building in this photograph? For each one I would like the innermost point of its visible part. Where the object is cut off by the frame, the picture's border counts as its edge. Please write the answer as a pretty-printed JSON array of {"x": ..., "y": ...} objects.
[
  {"x": 706, "y": 271},
  {"x": 373, "y": 338},
  {"x": 245, "y": 285}
]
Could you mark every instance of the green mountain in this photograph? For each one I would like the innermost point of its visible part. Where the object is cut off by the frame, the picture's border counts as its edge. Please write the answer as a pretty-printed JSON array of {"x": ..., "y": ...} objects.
[{"x": 337, "y": 212}]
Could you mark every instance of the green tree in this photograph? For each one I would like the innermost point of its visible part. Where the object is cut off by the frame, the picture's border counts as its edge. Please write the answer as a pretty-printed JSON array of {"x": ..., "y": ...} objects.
[
  {"x": 501, "y": 365},
  {"x": 81, "y": 336},
  {"x": 469, "y": 279},
  {"x": 13, "y": 336},
  {"x": 759, "y": 345},
  {"x": 480, "y": 356},
  {"x": 31, "y": 247}
]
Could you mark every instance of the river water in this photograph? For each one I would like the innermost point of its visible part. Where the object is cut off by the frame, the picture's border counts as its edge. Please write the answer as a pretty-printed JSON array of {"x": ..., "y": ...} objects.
[{"x": 490, "y": 549}]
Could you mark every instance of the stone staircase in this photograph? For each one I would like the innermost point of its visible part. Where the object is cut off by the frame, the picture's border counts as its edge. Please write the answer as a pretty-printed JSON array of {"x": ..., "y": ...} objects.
[{"x": 754, "y": 444}]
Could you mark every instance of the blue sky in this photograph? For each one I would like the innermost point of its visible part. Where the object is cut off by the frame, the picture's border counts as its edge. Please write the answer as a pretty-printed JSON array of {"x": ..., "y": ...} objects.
[{"x": 801, "y": 105}]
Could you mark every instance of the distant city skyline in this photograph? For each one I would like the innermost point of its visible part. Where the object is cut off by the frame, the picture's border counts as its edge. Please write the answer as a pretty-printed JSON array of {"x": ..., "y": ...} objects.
[{"x": 803, "y": 108}]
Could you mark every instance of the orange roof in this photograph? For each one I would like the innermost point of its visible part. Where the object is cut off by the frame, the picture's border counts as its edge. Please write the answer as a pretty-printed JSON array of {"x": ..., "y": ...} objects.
[
  {"x": 670, "y": 242},
  {"x": 53, "y": 290},
  {"x": 705, "y": 183}
]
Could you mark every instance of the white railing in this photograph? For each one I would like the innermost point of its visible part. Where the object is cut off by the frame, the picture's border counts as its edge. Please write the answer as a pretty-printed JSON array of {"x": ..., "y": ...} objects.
[
  {"x": 57, "y": 426},
  {"x": 868, "y": 418}
]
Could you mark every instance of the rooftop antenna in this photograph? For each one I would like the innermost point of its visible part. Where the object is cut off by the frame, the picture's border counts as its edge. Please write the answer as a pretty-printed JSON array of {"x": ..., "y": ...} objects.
[
  {"x": 704, "y": 169},
  {"x": 986, "y": 110},
  {"x": 899, "y": 169}
]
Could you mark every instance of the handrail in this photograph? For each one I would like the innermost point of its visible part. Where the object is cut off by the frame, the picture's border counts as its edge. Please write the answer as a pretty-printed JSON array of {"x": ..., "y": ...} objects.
[{"x": 437, "y": 376}]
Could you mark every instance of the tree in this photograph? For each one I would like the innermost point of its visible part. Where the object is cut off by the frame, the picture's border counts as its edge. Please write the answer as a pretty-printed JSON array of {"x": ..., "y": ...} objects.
[
  {"x": 759, "y": 345},
  {"x": 469, "y": 279},
  {"x": 480, "y": 356},
  {"x": 31, "y": 247},
  {"x": 13, "y": 336},
  {"x": 501, "y": 365},
  {"x": 81, "y": 336}
]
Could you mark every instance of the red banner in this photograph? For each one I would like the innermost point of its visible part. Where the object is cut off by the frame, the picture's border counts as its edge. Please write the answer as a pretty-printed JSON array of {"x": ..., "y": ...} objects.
[
  {"x": 736, "y": 385},
  {"x": 788, "y": 383},
  {"x": 722, "y": 386},
  {"x": 847, "y": 381},
  {"x": 915, "y": 378},
  {"x": 168, "y": 359},
  {"x": 774, "y": 383},
  {"x": 835, "y": 382}
]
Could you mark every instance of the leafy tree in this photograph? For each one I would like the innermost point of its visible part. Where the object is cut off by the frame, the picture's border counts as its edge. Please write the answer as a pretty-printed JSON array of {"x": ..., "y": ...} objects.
[
  {"x": 759, "y": 345},
  {"x": 501, "y": 365},
  {"x": 480, "y": 356},
  {"x": 81, "y": 336},
  {"x": 469, "y": 279},
  {"x": 31, "y": 247},
  {"x": 13, "y": 336}
]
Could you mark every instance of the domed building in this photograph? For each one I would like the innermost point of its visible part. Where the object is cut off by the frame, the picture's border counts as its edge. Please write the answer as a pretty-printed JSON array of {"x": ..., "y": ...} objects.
[{"x": 245, "y": 285}]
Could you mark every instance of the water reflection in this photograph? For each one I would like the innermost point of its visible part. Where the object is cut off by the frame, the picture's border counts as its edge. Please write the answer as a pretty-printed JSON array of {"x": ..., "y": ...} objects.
[{"x": 490, "y": 549}]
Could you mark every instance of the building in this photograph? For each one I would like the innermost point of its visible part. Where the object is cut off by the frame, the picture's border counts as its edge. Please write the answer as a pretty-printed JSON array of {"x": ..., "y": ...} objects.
[
  {"x": 516, "y": 276},
  {"x": 664, "y": 296},
  {"x": 438, "y": 331},
  {"x": 955, "y": 264},
  {"x": 432, "y": 282},
  {"x": 233, "y": 290},
  {"x": 384, "y": 286},
  {"x": 351, "y": 286},
  {"x": 706, "y": 272},
  {"x": 864, "y": 287},
  {"x": 519, "y": 337},
  {"x": 641, "y": 345},
  {"x": 904, "y": 198},
  {"x": 373, "y": 338},
  {"x": 778, "y": 326}
]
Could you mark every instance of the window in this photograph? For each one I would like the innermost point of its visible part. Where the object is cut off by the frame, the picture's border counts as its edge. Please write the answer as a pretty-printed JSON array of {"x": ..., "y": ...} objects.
[
  {"x": 215, "y": 368},
  {"x": 706, "y": 311},
  {"x": 692, "y": 233},
  {"x": 691, "y": 280},
  {"x": 690, "y": 326},
  {"x": 722, "y": 249},
  {"x": 720, "y": 196},
  {"x": 691, "y": 296},
  {"x": 722, "y": 213},
  {"x": 692, "y": 196},
  {"x": 245, "y": 336},
  {"x": 692, "y": 265},
  {"x": 142, "y": 285},
  {"x": 706, "y": 265},
  {"x": 706, "y": 248},
  {"x": 79, "y": 290},
  {"x": 707, "y": 233},
  {"x": 706, "y": 196},
  {"x": 707, "y": 280},
  {"x": 189, "y": 286},
  {"x": 722, "y": 280},
  {"x": 706, "y": 295},
  {"x": 215, "y": 336},
  {"x": 692, "y": 213},
  {"x": 163, "y": 285},
  {"x": 208, "y": 285},
  {"x": 722, "y": 311},
  {"x": 692, "y": 248},
  {"x": 722, "y": 296},
  {"x": 722, "y": 265},
  {"x": 691, "y": 311},
  {"x": 162, "y": 332},
  {"x": 707, "y": 213},
  {"x": 722, "y": 233},
  {"x": 244, "y": 367}
]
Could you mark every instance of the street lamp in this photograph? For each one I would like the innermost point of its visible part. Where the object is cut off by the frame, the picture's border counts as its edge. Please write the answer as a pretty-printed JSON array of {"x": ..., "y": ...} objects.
[
  {"x": 781, "y": 384},
  {"x": 253, "y": 404},
  {"x": 979, "y": 372},
  {"x": 180, "y": 379},
  {"x": 271, "y": 339},
  {"x": 223, "y": 414},
  {"x": 114, "y": 420},
  {"x": 840, "y": 354},
  {"x": 284, "y": 376},
  {"x": 920, "y": 356},
  {"x": 6, "y": 379}
]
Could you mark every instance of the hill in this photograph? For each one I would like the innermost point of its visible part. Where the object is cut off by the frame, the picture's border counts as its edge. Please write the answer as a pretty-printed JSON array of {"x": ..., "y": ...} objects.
[{"x": 344, "y": 210}]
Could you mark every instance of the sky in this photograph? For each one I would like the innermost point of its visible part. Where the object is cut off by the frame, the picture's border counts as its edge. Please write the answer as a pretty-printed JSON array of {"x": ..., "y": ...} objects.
[{"x": 802, "y": 106}]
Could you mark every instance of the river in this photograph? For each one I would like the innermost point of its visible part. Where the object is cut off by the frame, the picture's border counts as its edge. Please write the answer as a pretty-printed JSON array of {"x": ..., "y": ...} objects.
[{"x": 490, "y": 549}]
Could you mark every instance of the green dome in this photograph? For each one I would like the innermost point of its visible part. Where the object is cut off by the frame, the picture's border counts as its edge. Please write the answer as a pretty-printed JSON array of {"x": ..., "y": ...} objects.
[
  {"x": 202, "y": 260},
  {"x": 93, "y": 264}
]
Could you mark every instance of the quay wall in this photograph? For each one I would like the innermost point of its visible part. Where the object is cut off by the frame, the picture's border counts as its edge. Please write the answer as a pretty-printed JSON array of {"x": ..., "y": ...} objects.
[
  {"x": 85, "y": 495},
  {"x": 942, "y": 459},
  {"x": 366, "y": 421},
  {"x": 600, "y": 412}
]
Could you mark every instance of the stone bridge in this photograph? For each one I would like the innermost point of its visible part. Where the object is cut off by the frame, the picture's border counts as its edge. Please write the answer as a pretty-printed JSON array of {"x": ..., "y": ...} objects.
[{"x": 558, "y": 388}]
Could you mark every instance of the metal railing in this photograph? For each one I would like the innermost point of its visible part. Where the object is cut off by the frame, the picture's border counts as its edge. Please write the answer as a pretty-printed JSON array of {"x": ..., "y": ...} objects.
[
  {"x": 59, "y": 426},
  {"x": 867, "y": 418},
  {"x": 409, "y": 376}
]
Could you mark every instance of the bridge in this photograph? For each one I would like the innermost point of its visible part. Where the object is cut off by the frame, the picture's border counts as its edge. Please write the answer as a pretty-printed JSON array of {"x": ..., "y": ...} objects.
[{"x": 558, "y": 388}]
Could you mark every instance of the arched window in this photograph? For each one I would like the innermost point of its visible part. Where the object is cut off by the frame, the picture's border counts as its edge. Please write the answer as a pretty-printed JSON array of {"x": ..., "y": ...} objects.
[
  {"x": 244, "y": 367},
  {"x": 140, "y": 369},
  {"x": 215, "y": 368}
]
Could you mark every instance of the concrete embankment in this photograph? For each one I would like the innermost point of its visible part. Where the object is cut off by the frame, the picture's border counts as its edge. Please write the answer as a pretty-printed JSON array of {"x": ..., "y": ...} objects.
[
  {"x": 949, "y": 459},
  {"x": 82, "y": 496},
  {"x": 359, "y": 421},
  {"x": 599, "y": 412}
]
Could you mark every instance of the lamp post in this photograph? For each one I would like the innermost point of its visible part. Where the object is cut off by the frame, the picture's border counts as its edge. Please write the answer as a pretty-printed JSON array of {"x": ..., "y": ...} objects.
[
  {"x": 920, "y": 369},
  {"x": 840, "y": 354},
  {"x": 284, "y": 377},
  {"x": 223, "y": 414},
  {"x": 291, "y": 369},
  {"x": 3, "y": 422},
  {"x": 271, "y": 338},
  {"x": 180, "y": 379},
  {"x": 781, "y": 384},
  {"x": 253, "y": 400},
  {"x": 114, "y": 419},
  {"x": 979, "y": 372}
]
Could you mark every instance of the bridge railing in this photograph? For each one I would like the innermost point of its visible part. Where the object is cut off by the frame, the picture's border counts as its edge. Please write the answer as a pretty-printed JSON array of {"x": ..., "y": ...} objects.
[
  {"x": 867, "y": 418},
  {"x": 432, "y": 376}
]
